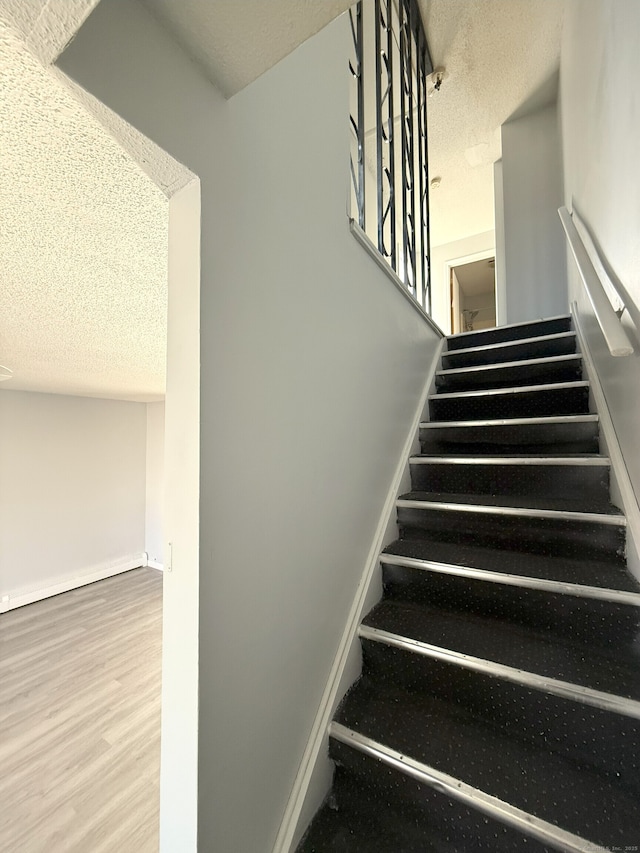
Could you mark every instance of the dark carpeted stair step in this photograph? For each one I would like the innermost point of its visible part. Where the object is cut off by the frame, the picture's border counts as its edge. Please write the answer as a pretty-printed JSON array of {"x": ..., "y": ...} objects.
[
  {"x": 403, "y": 816},
  {"x": 610, "y": 669},
  {"x": 558, "y": 398},
  {"x": 601, "y": 615},
  {"x": 562, "y": 368},
  {"x": 546, "y": 526},
  {"x": 513, "y": 332},
  {"x": 456, "y": 744},
  {"x": 527, "y": 476},
  {"x": 593, "y": 728},
  {"x": 551, "y": 435},
  {"x": 606, "y": 578},
  {"x": 562, "y": 343}
]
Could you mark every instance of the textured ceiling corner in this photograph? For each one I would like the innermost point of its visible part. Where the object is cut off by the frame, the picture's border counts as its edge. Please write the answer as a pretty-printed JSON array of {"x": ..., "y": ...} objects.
[
  {"x": 235, "y": 41},
  {"x": 83, "y": 247}
]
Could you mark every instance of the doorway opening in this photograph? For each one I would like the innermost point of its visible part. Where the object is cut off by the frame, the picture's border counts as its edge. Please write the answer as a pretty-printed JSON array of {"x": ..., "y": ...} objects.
[{"x": 473, "y": 295}]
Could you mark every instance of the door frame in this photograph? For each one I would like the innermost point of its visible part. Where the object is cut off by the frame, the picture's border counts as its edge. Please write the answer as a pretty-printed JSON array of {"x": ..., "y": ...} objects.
[{"x": 469, "y": 259}]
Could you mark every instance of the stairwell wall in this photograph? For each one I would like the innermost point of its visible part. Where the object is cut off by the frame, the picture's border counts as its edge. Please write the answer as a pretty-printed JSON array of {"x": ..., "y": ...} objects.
[
  {"x": 531, "y": 243},
  {"x": 312, "y": 366},
  {"x": 600, "y": 119}
]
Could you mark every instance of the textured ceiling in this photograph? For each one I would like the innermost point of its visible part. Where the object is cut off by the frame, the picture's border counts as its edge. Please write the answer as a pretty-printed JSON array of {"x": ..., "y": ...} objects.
[
  {"x": 46, "y": 26},
  {"x": 235, "y": 41},
  {"x": 83, "y": 244},
  {"x": 497, "y": 54}
]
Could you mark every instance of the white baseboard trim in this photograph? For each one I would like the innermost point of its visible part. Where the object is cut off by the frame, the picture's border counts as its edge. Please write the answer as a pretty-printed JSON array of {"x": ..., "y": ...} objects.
[
  {"x": 10, "y": 601},
  {"x": 622, "y": 487},
  {"x": 154, "y": 564},
  {"x": 287, "y": 833}
]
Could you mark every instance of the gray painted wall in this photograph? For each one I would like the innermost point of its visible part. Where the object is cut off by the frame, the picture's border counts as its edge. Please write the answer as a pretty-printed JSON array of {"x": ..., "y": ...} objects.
[
  {"x": 600, "y": 114},
  {"x": 534, "y": 253},
  {"x": 72, "y": 488},
  {"x": 312, "y": 365}
]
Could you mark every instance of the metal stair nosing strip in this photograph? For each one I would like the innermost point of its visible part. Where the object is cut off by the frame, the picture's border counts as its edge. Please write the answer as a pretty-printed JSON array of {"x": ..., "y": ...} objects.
[
  {"x": 616, "y": 596},
  {"x": 477, "y": 799},
  {"x": 578, "y": 461},
  {"x": 550, "y": 420},
  {"x": 517, "y": 342},
  {"x": 524, "y": 512},
  {"x": 516, "y": 389},
  {"x": 504, "y": 365},
  {"x": 546, "y": 684}
]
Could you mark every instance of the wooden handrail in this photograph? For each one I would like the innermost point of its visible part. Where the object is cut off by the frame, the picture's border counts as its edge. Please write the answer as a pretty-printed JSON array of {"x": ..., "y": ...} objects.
[{"x": 614, "y": 332}]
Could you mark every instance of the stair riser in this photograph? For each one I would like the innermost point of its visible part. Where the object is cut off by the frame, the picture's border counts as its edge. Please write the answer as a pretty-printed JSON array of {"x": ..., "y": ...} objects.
[
  {"x": 514, "y": 352},
  {"x": 525, "y": 404},
  {"x": 541, "y": 535},
  {"x": 535, "y": 329},
  {"x": 507, "y": 377},
  {"x": 593, "y": 737},
  {"x": 553, "y": 481},
  {"x": 444, "y": 448},
  {"x": 525, "y": 438},
  {"x": 593, "y": 621},
  {"x": 447, "y": 823}
]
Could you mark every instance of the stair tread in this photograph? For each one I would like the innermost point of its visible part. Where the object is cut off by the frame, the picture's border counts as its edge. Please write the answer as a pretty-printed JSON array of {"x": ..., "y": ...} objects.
[
  {"x": 582, "y": 505},
  {"x": 510, "y": 332},
  {"x": 607, "y": 574},
  {"x": 610, "y": 670},
  {"x": 404, "y": 818},
  {"x": 592, "y": 805},
  {"x": 538, "y": 321},
  {"x": 512, "y": 366},
  {"x": 534, "y": 388},
  {"x": 556, "y": 336},
  {"x": 494, "y": 459},
  {"x": 511, "y": 422}
]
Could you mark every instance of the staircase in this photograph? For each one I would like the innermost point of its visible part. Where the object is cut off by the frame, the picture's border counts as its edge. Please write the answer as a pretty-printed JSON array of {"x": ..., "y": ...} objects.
[{"x": 499, "y": 703}]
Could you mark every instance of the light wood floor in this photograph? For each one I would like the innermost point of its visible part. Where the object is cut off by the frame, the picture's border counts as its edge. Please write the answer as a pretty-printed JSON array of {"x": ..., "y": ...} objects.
[{"x": 80, "y": 682}]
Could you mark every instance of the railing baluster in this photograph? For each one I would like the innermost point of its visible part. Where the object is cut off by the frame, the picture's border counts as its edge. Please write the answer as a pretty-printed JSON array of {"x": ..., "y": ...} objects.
[
  {"x": 357, "y": 70},
  {"x": 426, "y": 215},
  {"x": 397, "y": 27},
  {"x": 391, "y": 133},
  {"x": 379, "y": 128},
  {"x": 403, "y": 140},
  {"x": 422, "y": 168}
]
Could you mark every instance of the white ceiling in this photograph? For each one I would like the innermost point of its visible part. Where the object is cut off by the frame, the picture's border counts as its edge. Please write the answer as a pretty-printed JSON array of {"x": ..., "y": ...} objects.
[{"x": 83, "y": 245}]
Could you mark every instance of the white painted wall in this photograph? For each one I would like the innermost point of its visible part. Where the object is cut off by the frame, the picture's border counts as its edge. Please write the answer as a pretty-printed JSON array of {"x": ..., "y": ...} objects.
[
  {"x": 312, "y": 367},
  {"x": 501, "y": 281},
  {"x": 72, "y": 491},
  {"x": 534, "y": 250},
  {"x": 154, "y": 502},
  {"x": 600, "y": 114},
  {"x": 444, "y": 255}
]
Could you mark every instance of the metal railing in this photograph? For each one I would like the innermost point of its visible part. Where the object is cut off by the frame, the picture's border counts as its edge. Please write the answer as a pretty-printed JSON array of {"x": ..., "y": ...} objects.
[
  {"x": 390, "y": 65},
  {"x": 585, "y": 256}
]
